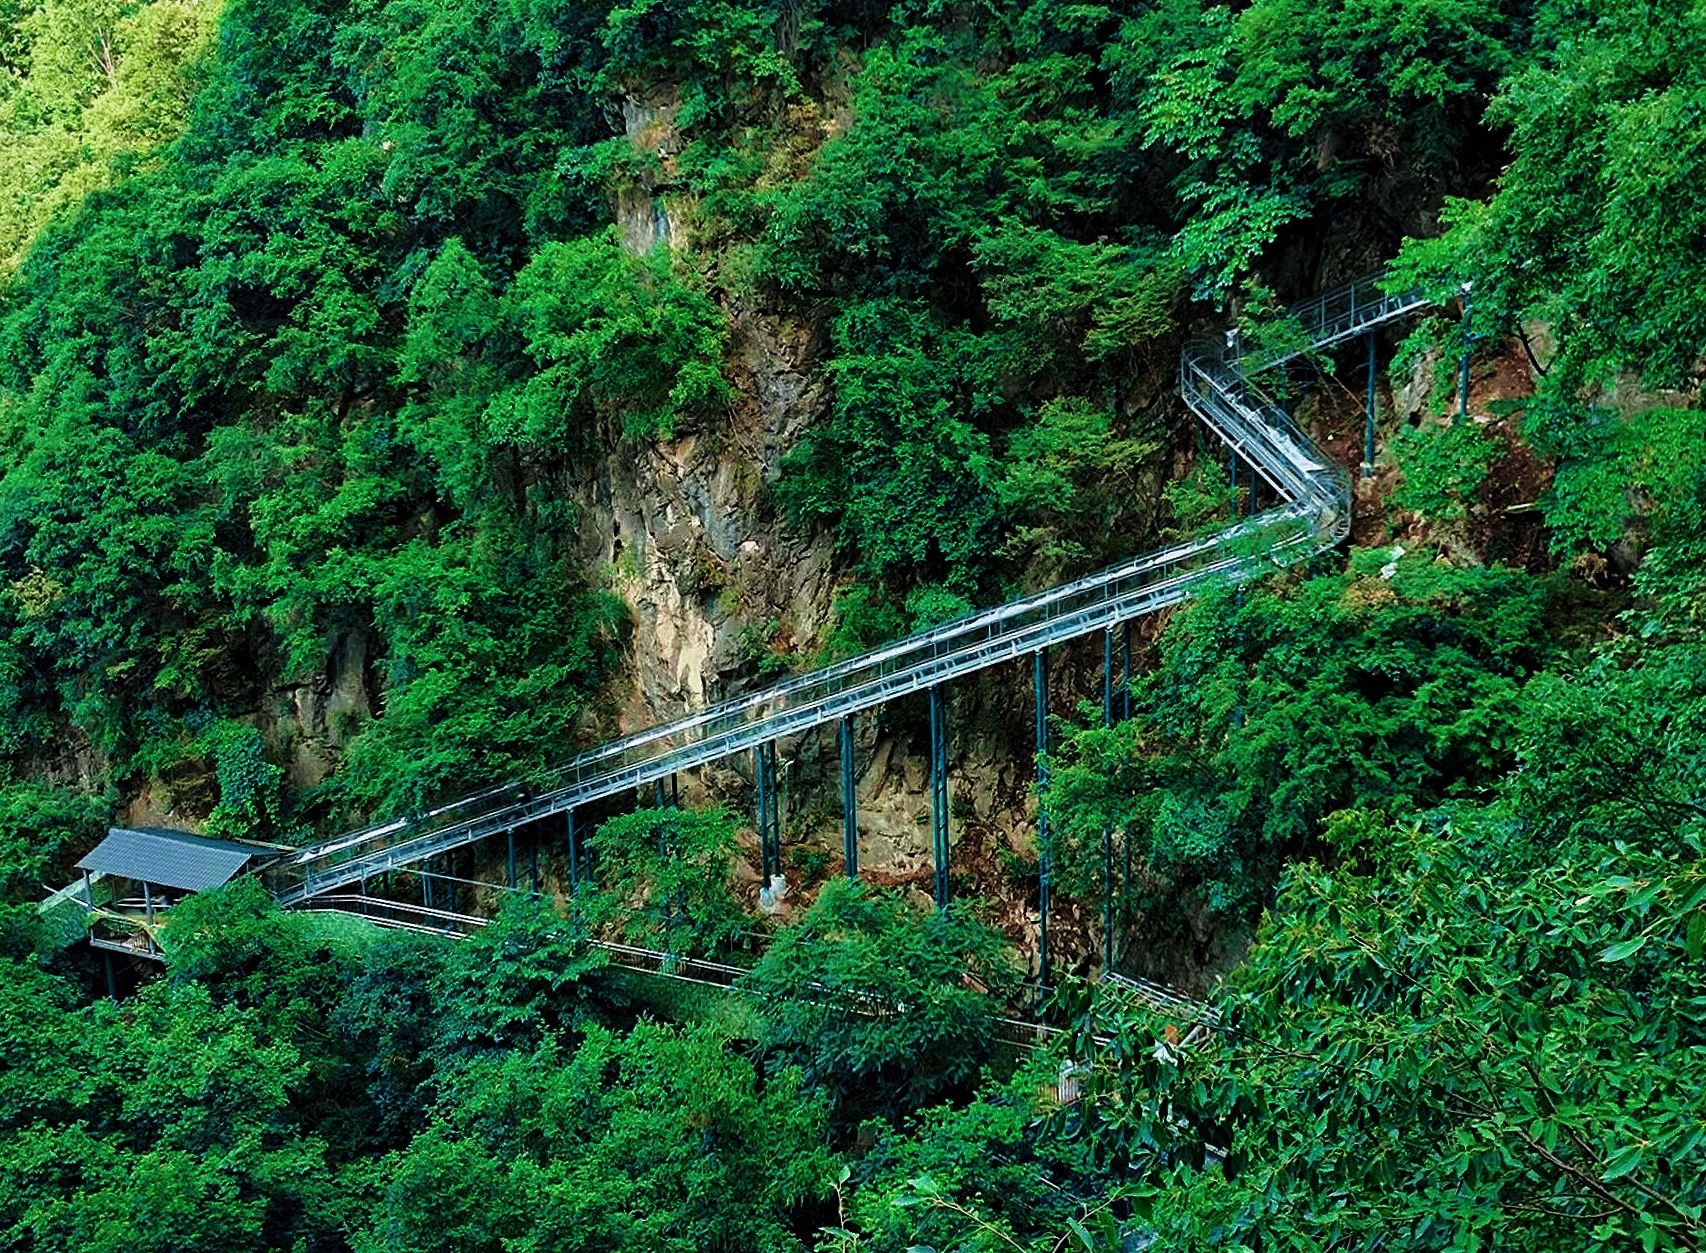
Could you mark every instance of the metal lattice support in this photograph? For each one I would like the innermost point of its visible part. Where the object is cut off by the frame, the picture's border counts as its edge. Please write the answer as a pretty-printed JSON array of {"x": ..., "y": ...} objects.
[
  {"x": 849, "y": 803},
  {"x": 939, "y": 796},
  {"x": 1039, "y": 672}
]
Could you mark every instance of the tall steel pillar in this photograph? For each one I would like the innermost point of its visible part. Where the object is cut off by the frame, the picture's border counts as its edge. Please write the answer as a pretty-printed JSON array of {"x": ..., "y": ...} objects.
[
  {"x": 849, "y": 803},
  {"x": 533, "y": 863},
  {"x": 769, "y": 811},
  {"x": 666, "y": 903},
  {"x": 1039, "y": 672},
  {"x": 939, "y": 795},
  {"x": 1125, "y": 671},
  {"x": 1368, "y": 415},
  {"x": 574, "y": 853},
  {"x": 509, "y": 877},
  {"x": 1108, "y": 832},
  {"x": 1108, "y": 676},
  {"x": 1463, "y": 360}
]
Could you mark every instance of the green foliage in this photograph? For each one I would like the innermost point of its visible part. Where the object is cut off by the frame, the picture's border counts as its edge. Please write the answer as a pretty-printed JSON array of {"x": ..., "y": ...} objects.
[
  {"x": 662, "y": 879},
  {"x": 250, "y": 804},
  {"x": 881, "y": 1004},
  {"x": 1396, "y": 684},
  {"x": 1499, "y": 1017},
  {"x": 41, "y": 827},
  {"x": 86, "y": 91},
  {"x": 611, "y": 336},
  {"x": 565, "y": 1149},
  {"x": 516, "y": 981},
  {"x": 1066, "y": 474},
  {"x": 908, "y": 480},
  {"x": 1444, "y": 467},
  {"x": 1586, "y": 240},
  {"x": 296, "y": 374}
]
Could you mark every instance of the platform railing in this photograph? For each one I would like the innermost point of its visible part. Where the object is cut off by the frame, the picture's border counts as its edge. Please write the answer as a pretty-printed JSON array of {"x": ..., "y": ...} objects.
[{"x": 1215, "y": 382}]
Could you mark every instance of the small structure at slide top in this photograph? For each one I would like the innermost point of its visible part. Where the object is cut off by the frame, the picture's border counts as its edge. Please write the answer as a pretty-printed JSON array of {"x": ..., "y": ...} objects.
[{"x": 147, "y": 870}]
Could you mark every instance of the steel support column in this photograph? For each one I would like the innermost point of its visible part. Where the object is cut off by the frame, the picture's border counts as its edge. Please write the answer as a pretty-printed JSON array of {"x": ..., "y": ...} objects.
[
  {"x": 769, "y": 811},
  {"x": 1039, "y": 671},
  {"x": 509, "y": 873},
  {"x": 1107, "y": 898},
  {"x": 1368, "y": 415},
  {"x": 574, "y": 853},
  {"x": 1125, "y": 672},
  {"x": 1108, "y": 677},
  {"x": 939, "y": 795},
  {"x": 849, "y": 803},
  {"x": 1108, "y": 832},
  {"x": 1463, "y": 360},
  {"x": 666, "y": 902}
]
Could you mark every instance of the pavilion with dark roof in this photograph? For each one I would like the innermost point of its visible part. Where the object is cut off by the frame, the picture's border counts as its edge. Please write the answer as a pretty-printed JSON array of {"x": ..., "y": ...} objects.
[{"x": 166, "y": 865}]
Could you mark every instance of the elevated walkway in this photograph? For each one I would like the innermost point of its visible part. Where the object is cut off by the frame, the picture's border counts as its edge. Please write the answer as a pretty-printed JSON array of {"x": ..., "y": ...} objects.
[{"x": 1215, "y": 381}]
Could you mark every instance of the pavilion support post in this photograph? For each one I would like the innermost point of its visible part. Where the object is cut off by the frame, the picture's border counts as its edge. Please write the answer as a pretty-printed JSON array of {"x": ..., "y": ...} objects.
[
  {"x": 939, "y": 797},
  {"x": 112, "y": 983},
  {"x": 1039, "y": 672},
  {"x": 849, "y": 803},
  {"x": 509, "y": 877},
  {"x": 148, "y": 909}
]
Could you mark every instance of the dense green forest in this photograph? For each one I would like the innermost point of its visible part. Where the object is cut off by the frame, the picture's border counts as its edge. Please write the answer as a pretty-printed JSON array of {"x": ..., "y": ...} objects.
[{"x": 315, "y": 315}]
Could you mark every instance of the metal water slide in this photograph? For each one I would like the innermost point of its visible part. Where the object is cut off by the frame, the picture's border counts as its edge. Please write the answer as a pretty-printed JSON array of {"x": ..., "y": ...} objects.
[{"x": 1215, "y": 381}]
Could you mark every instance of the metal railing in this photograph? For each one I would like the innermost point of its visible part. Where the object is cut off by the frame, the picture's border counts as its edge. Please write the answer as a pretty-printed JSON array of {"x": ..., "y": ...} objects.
[
  {"x": 399, "y": 915},
  {"x": 1216, "y": 386}
]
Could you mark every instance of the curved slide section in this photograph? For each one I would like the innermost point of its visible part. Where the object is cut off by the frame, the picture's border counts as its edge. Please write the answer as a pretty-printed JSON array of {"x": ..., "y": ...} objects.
[{"x": 1215, "y": 381}]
